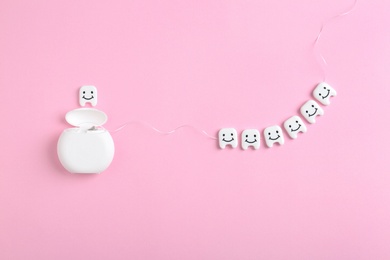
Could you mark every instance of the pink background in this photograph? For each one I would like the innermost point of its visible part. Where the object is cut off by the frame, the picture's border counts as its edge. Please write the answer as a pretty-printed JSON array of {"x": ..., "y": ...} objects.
[{"x": 210, "y": 64}]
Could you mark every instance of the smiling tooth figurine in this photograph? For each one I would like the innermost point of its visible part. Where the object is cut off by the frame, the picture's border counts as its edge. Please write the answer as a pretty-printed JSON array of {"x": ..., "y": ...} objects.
[
  {"x": 323, "y": 92},
  {"x": 294, "y": 125},
  {"x": 227, "y": 136},
  {"x": 310, "y": 110},
  {"x": 273, "y": 134},
  {"x": 88, "y": 94},
  {"x": 250, "y": 137}
]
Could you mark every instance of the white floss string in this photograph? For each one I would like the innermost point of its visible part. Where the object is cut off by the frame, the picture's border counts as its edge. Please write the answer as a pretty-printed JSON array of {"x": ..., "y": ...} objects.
[
  {"x": 313, "y": 104},
  {"x": 315, "y": 47},
  {"x": 164, "y": 132},
  {"x": 89, "y": 148}
]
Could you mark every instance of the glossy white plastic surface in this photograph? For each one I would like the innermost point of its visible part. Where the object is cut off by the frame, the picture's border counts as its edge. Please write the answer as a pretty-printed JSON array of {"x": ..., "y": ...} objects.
[
  {"x": 294, "y": 125},
  {"x": 88, "y": 94},
  {"x": 86, "y": 117},
  {"x": 323, "y": 92},
  {"x": 85, "y": 152},
  {"x": 310, "y": 110},
  {"x": 227, "y": 136},
  {"x": 273, "y": 134},
  {"x": 85, "y": 148},
  {"x": 250, "y": 137}
]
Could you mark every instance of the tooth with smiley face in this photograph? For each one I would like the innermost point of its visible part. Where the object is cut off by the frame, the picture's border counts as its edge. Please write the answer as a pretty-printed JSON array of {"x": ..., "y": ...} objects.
[
  {"x": 88, "y": 94},
  {"x": 323, "y": 92},
  {"x": 250, "y": 137},
  {"x": 273, "y": 134},
  {"x": 294, "y": 125},
  {"x": 310, "y": 110},
  {"x": 227, "y": 136}
]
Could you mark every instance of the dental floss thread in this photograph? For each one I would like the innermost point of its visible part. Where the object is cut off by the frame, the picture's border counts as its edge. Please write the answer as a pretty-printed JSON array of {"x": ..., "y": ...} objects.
[{"x": 310, "y": 117}]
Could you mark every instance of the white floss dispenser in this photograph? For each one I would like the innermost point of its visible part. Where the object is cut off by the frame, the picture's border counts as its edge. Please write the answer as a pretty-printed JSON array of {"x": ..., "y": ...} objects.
[{"x": 86, "y": 148}]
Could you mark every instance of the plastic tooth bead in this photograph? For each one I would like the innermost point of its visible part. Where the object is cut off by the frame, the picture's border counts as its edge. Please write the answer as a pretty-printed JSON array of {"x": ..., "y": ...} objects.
[
  {"x": 250, "y": 137},
  {"x": 294, "y": 125},
  {"x": 227, "y": 136},
  {"x": 323, "y": 92},
  {"x": 88, "y": 94},
  {"x": 310, "y": 110},
  {"x": 273, "y": 134}
]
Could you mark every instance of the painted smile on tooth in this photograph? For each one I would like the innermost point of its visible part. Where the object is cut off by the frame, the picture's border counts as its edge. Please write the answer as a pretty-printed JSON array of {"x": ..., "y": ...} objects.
[
  {"x": 251, "y": 142},
  {"x": 327, "y": 95},
  {"x": 293, "y": 130},
  {"x": 88, "y": 98},
  {"x": 228, "y": 141},
  {"x": 314, "y": 112},
  {"x": 273, "y": 139}
]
